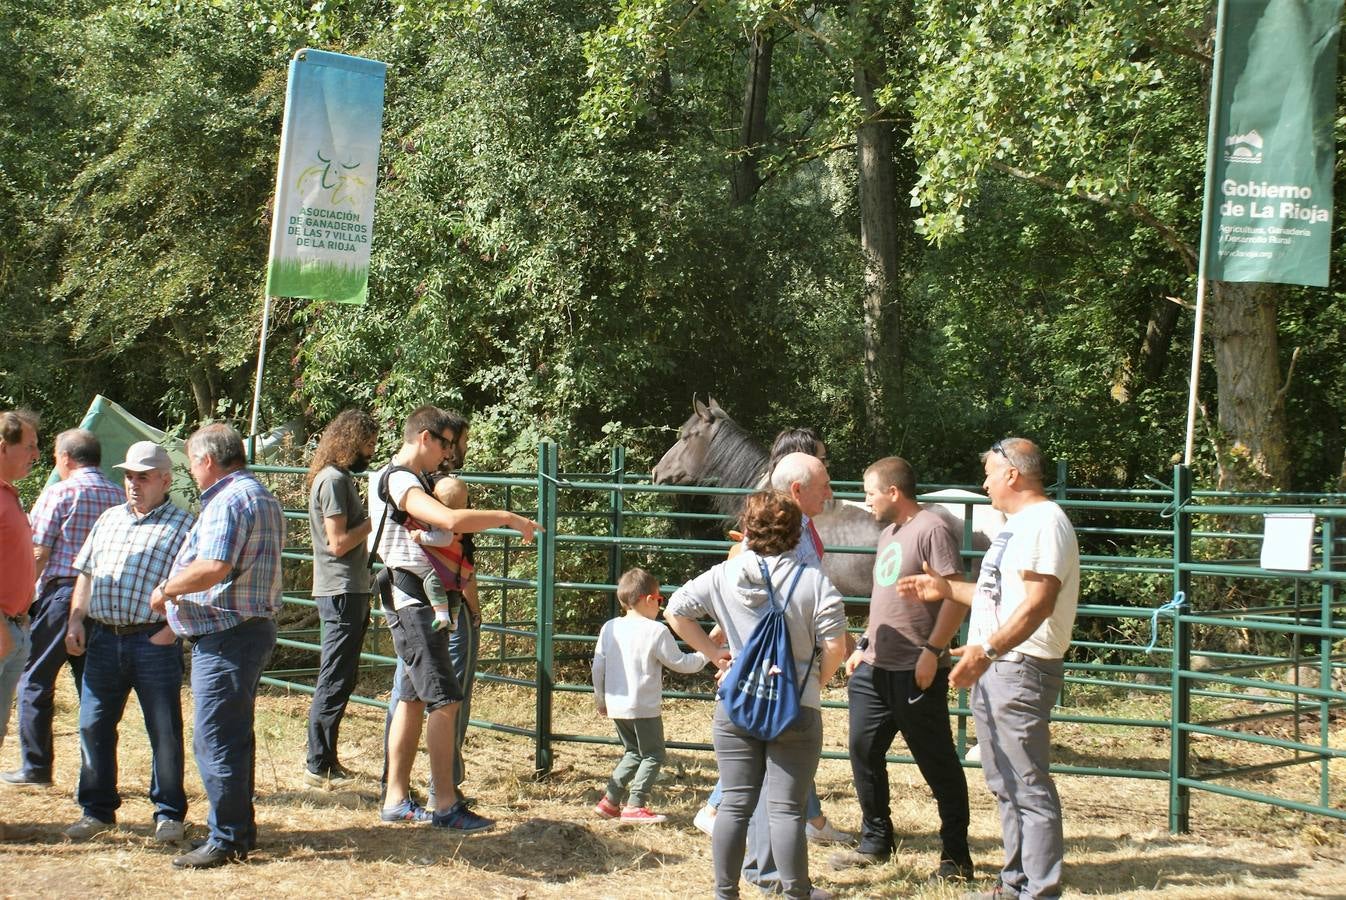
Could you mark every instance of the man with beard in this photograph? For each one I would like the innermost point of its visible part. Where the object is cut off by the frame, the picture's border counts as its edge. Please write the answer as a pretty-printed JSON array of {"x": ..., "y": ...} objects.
[{"x": 340, "y": 524}]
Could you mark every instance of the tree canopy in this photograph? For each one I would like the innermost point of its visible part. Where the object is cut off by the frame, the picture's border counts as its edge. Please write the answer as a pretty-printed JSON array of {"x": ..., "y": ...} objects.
[{"x": 919, "y": 226}]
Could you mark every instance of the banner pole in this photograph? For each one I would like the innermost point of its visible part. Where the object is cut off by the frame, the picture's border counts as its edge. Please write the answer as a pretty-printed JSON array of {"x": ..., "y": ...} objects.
[
  {"x": 257, "y": 385},
  {"x": 1207, "y": 206}
]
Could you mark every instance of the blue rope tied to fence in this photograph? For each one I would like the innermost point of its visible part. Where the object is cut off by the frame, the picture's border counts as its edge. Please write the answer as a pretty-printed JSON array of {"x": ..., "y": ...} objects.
[{"x": 1172, "y": 607}]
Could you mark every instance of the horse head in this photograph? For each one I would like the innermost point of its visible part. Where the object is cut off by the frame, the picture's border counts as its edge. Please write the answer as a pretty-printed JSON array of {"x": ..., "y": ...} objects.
[{"x": 685, "y": 461}]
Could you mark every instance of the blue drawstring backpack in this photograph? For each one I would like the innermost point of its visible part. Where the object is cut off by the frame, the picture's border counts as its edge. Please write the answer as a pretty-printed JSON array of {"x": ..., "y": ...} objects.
[{"x": 758, "y": 693}]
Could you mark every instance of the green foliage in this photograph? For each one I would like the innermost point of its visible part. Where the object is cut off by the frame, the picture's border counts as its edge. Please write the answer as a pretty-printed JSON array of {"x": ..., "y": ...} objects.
[{"x": 557, "y": 250}]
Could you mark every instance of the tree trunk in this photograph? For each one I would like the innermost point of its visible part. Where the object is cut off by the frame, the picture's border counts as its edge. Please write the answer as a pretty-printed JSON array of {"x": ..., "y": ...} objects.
[
  {"x": 746, "y": 178},
  {"x": 875, "y": 145},
  {"x": 1251, "y": 417}
]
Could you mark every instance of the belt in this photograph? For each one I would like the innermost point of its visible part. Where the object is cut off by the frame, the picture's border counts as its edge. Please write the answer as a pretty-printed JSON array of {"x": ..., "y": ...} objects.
[
  {"x": 20, "y": 619},
  {"x": 63, "y": 581},
  {"x": 123, "y": 630}
]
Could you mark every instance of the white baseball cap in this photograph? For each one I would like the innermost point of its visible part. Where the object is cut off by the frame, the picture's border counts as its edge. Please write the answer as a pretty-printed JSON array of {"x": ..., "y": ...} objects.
[{"x": 146, "y": 456}]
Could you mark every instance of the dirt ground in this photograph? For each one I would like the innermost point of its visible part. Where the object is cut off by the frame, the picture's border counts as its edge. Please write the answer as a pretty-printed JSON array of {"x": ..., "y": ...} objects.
[{"x": 549, "y": 844}]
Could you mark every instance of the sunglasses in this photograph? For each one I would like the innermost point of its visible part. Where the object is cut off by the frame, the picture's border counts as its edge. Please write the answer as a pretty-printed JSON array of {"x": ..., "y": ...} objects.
[
  {"x": 656, "y": 597},
  {"x": 447, "y": 443}
]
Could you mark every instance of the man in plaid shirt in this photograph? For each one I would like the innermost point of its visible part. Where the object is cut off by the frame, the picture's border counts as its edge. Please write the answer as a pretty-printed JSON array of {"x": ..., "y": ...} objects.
[
  {"x": 61, "y": 520},
  {"x": 128, "y": 646},
  {"x": 223, "y": 594}
]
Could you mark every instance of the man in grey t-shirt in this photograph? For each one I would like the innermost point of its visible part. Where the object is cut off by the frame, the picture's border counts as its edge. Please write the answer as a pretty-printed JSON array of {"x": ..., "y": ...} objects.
[
  {"x": 899, "y": 675},
  {"x": 339, "y": 525}
]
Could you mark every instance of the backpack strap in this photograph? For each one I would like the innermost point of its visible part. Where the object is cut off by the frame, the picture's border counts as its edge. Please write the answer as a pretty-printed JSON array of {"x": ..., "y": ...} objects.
[{"x": 771, "y": 595}]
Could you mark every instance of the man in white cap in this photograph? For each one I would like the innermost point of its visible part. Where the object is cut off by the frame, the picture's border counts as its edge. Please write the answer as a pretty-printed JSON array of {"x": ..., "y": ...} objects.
[{"x": 128, "y": 646}]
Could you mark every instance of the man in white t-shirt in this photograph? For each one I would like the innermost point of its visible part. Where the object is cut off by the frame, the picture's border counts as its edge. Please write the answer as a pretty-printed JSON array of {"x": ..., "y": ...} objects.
[
  {"x": 428, "y": 685},
  {"x": 1023, "y": 608}
]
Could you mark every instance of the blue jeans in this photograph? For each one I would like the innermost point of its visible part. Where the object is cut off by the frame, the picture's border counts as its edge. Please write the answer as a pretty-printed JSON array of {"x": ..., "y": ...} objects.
[
  {"x": 226, "y": 670},
  {"x": 113, "y": 667},
  {"x": 11, "y": 670},
  {"x": 37, "y": 689},
  {"x": 345, "y": 617}
]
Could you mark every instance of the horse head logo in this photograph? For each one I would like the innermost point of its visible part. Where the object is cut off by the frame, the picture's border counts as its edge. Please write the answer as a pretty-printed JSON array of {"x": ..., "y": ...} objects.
[{"x": 344, "y": 184}]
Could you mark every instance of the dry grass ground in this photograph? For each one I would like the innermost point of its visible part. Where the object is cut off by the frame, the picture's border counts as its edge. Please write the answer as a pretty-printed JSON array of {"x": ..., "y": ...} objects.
[{"x": 315, "y": 843}]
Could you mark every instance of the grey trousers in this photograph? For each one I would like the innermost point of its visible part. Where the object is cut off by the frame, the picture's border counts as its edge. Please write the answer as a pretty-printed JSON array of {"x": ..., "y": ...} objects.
[
  {"x": 787, "y": 766},
  {"x": 1012, "y": 704},
  {"x": 635, "y": 772}
]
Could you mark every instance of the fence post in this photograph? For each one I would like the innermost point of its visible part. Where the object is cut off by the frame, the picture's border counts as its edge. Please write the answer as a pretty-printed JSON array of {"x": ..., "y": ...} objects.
[
  {"x": 617, "y": 470},
  {"x": 1179, "y": 795},
  {"x": 547, "y": 471},
  {"x": 1325, "y": 621}
]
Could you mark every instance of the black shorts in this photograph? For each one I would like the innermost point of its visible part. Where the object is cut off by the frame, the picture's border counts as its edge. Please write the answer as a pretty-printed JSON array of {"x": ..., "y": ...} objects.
[{"x": 427, "y": 668}]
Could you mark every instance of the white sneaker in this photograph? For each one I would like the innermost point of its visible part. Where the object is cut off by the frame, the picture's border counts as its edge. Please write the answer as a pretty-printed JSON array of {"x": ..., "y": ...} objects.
[
  {"x": 973, "y": 753},
  {"x": 828, "y": 834},
  {"x": 705, "y": 820},
  {"x": 169, "y": 831}
]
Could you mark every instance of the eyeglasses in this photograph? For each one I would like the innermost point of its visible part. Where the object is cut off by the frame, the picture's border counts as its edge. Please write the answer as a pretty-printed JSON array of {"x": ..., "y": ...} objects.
[{"x": 446, "y": 442}]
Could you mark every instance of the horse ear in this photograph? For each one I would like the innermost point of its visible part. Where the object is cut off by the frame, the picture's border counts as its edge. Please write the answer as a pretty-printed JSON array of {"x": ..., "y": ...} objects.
[
  {"x": 700, "y": 408},
  {"x": 714, "y": 407}
]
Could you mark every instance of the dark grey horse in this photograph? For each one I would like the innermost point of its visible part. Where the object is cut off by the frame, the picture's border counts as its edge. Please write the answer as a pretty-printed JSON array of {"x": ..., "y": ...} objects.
[{"x": 713, "y": 449}]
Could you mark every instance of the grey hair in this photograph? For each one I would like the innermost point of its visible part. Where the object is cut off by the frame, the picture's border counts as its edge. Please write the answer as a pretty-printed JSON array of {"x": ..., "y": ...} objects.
[
  {"x": 221, "y": 443},
  {"x": 1022, "y": 454},
  {"x": 81, "y": 445},
  {"x": 795, "y": 467}
]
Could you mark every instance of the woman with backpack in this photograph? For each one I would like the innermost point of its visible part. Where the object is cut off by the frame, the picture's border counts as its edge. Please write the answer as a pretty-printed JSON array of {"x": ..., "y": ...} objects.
[{"x": 786, "y": 628}]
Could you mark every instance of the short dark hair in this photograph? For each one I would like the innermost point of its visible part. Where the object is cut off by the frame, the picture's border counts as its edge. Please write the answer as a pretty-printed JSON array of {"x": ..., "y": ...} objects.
[
  {"x": 221, "y": 443},
  {"x": 634, "y": 584},
  {"x": 432, "y": 419},
  {"x": 771, "y": 521},
  {"x": 12, "y": 422},
  {"x": 792, "y": 440},
  {"x": 894, "y": 471},
  {"x": 81, "y": 446}
]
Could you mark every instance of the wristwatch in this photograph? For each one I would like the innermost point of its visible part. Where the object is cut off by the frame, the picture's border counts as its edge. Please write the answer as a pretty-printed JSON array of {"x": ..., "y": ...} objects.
[{"x": 991, "y": 652}]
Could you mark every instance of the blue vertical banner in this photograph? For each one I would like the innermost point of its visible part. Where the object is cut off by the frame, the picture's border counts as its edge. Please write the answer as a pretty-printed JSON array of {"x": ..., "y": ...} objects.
[
  {"x": 1275, "y": 148},
  {"x": 323, "y": 221}
]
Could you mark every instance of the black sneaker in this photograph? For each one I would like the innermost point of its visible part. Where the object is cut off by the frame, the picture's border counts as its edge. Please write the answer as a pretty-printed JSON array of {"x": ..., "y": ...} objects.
[
  {"x": 209, "y": 856},
  {"x": 951, "y": 871}
]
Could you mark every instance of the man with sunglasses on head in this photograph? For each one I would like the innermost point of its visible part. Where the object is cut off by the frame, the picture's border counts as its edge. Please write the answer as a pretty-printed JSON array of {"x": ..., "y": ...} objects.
[
  {"x": 428, "y": 688},
  {"x": 899, "y": 675},
  {"x": 1023, "y": 609}
]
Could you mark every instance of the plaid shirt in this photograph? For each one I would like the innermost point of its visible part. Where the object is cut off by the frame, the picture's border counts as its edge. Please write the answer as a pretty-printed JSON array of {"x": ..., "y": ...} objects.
[
  {"x": 126, "y": 557},
  {"x": 64, "y": 515},
  {"x": 241, "y": 524}
]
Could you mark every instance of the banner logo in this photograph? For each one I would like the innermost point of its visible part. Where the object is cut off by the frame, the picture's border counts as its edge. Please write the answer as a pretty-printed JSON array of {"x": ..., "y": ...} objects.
[
  {"x": 344, "y": 185},
  {"x": 1243, "y": 148}
]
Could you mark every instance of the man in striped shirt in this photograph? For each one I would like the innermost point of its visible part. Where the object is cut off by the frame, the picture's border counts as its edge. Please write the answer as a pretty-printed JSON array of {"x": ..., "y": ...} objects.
[
  {"x": 223, "y": 594},
  {"x": 61, "y": 520},
  {"x": 128, "y": 646}
]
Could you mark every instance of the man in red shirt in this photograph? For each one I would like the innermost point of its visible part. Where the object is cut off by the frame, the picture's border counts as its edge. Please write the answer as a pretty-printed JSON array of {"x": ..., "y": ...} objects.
[{"x": 18, "y": 452}]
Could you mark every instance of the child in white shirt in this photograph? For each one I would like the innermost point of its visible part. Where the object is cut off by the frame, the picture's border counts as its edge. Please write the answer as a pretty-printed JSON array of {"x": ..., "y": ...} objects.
[{"x": 628, "y": 675}]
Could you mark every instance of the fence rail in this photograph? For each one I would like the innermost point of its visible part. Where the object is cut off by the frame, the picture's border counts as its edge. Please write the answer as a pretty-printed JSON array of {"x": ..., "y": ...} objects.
[{"x": 1163, "y": 570}]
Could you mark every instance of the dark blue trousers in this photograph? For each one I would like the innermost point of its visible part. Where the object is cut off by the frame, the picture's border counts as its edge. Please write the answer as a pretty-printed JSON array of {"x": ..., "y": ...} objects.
[
  {"x": 50, "y": 613},
  {"x": 115, "y": 666},
  {"x": 226, "y": 670}
]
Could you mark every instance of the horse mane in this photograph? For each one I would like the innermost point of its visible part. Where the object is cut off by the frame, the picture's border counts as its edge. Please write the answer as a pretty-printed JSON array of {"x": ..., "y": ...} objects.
[{"x": 734, "y": 459}]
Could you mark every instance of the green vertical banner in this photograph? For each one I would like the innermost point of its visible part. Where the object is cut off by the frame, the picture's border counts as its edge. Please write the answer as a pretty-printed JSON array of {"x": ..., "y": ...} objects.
[
  {"x": 323, "y": 221},
  {"x": 1272, "y": 212}
]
